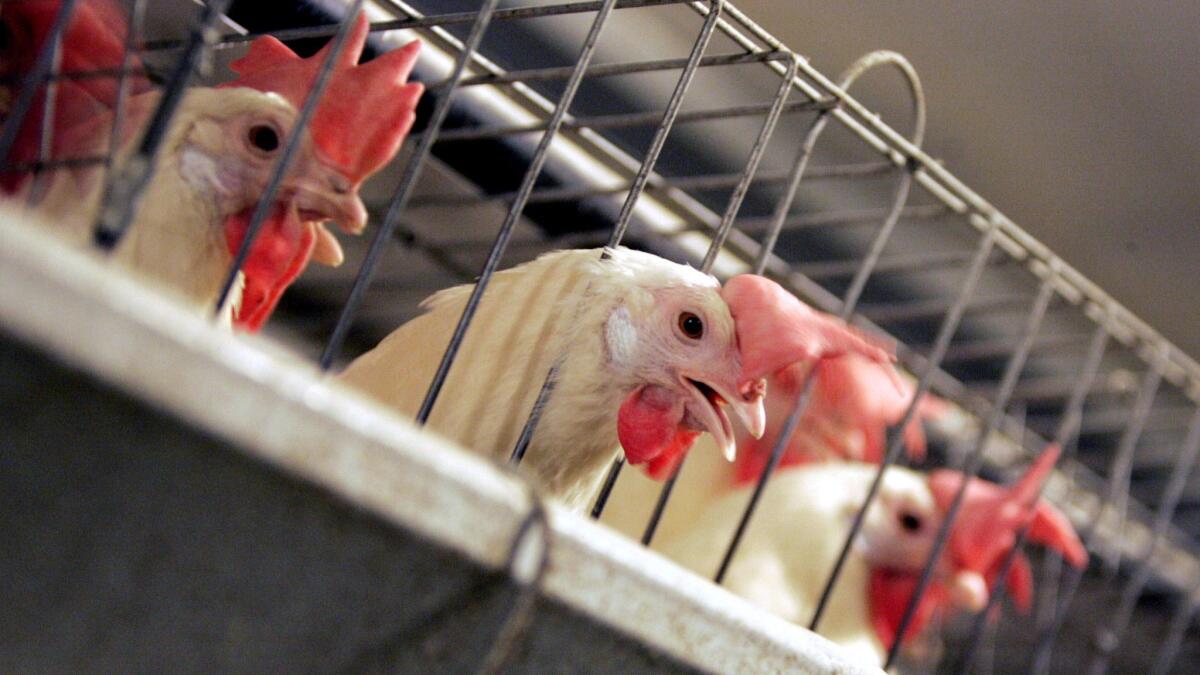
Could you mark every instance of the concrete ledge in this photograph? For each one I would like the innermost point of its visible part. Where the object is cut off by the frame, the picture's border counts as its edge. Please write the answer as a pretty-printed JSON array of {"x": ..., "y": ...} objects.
[{"x": 179, "y": 496}]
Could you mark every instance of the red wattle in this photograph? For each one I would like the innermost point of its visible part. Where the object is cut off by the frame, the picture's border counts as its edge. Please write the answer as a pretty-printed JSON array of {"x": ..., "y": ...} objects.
[
  {"x": 649, "y": 427},
  {"x": 888, "y": 596},
  {"x": 278, "y": 255}
]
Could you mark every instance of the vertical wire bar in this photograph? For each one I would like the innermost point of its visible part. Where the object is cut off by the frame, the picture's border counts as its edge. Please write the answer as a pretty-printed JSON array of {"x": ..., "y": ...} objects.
[
  {"x": 714, "y": 248},
  {"x": 535, "y": 416},
  {"x": 895, "y": 446},
  {"x": 1047, "y": 599},
  {"x": 668, "y": 121},
  {"x": 514, "y": 214},
  {"x": 639, "y": 184},
  {"x": 792, "y": 422},
  {"x": 1064, "y": 437},
  {"x": 974, "y": 461},
  {"x": 34, "y": 78},
  {"x": 266, "y": 202},
  {"x": 858, "y": 283},
  {"x": 407, "y": 182},
  {"x": 1113, "y": 558},
  {"x": 1044, "y": 652},
  {"x": 123, "y": 194},
  {"x": 137, "y": 16},
  {"x": 46, "y": 128},
  {"x": 1108, "y": 636},
  {"x": 1181, "y": 620}
]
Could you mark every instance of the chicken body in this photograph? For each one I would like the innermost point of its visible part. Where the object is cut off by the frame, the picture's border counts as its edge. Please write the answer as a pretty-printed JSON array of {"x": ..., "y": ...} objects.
[{"x": 792, "y": 543}]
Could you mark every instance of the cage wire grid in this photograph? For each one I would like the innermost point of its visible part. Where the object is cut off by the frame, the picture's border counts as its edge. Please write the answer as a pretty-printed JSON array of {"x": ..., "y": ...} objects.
[{"x": 567, "y": 155}]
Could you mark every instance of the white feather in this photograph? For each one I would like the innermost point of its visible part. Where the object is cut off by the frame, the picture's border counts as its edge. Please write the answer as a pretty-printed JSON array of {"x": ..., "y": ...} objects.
[{"x": 556, "y": 309}]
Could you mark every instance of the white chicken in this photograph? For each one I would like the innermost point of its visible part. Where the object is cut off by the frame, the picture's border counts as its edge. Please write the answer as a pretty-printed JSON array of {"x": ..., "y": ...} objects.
[
  {"x": 648, "y": 356},
  {"x": 791, "y": 544}
]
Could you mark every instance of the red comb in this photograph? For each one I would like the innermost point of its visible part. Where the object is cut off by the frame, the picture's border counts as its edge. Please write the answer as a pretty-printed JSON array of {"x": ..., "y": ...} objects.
[
  {"x": 365, "y": 110},
  {"x": 852, "y": 396},
  {"x": 987, "y": 524},
  {"x": 775, "y": 329}
]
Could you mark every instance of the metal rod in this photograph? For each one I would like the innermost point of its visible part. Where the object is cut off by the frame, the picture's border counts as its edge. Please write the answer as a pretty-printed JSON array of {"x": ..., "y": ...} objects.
[
  {"x": 658, "y": 183},
  {"x": 858, "y": 283},
  {"x": 42, "y": 65},
  {"x": 535, "y": 415},
  {"x": 974, "y": 460},
  {"x": 1108, "y": 635},
  {"x": 849, "y": 217},
  {"x": 266, "y": 202},
  {"x": 541, "y": 153},
  {"x": 412, "y": 171},
  {"x": 46, "y": 128},
  {"x": 123, "y": 193},
  {"x": 611, "y": 69},
  {"x": 137, "y": 16},
  {"x": 636, "y": 119},
  {"x": 714, "y": 248},
  {"x": 1064, "y": 437},
  {"x": 1044, "y": 651},
  {"x": 640, "y": 181},
  {"x": 516, "y": 622},
  {"x": 437, "y": 20},
  {"x": 1123, "y": 467},
  {"x": 928, "y": 309},
  {"x": 1181, "y": 621},
  {"x": 908, "y": 263},
  {"x": 895, "y": 446},
  {"x": 986, "y": 349},
  {"x": 89, "y": 74}
]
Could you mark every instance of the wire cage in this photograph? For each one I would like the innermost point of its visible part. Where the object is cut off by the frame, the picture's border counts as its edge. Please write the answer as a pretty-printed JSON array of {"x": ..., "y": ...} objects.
[{"x": 685, "y": 129}]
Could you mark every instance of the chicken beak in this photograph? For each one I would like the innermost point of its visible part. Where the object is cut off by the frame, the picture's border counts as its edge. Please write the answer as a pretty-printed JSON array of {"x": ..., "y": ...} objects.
[
  {"x": 711, "y": 397},
  {"x": 322, "y": 193},
  {"x": 750, "y": 409}
]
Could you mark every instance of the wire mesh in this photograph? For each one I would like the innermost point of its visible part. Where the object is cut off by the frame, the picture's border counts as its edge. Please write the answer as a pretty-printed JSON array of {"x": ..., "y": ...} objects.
[{"x": 629, "y": 143}]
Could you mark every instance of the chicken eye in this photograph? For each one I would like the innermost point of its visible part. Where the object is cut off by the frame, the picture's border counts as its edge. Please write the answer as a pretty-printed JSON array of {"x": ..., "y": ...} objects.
[
  {"x": 691, "y": 325},
  {"x": 910, "y": 523},
  {"x": 263, "y": 137}
]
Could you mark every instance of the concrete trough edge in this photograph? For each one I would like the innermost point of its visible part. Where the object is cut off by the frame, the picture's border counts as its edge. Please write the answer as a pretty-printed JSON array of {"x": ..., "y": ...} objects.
[{"x": 286, "y": 413}]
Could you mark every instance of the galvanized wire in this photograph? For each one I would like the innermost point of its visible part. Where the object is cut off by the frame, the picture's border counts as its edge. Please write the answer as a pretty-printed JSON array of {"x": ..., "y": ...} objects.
[
  {"x": 861, "y": 275},
  {"x": 974, "y": 460},
  {"x": 896, "y": 444},
  {"x": 408, "y": 181},
  {"x": 1181, "y": 621},
  {"x": 1065, "y": 438},
  {"x": 1044, "y": 650},
  {"x": 123, "y": 193},
  {"x": 1108, "y": 635},
  {"x": 510, "y": 221},
  {"x": 43, "y": 63},
  {"x": 714, "y": 248}
]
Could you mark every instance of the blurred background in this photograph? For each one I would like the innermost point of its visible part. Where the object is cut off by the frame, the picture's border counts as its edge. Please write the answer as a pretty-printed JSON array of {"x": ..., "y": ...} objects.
[{"x": 1080, "y": 120}]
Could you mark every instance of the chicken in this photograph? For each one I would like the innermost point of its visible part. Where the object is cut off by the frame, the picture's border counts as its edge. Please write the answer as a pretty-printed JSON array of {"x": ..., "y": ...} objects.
[
  {"x": 364, "y": 114},
  {"x": 94, "y": 39},
  {"x": 792, "y": 543},
  {"x": 852, "y": 404},
  {"x": 218, "y": 157},
  {"x": 648, "y": 356}
]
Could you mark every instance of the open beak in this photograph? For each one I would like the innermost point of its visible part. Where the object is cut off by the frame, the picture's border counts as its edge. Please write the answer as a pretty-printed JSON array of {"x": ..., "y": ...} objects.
[
  {"x": 320, "y": 194},
  {"x": 707, "y": 407}
]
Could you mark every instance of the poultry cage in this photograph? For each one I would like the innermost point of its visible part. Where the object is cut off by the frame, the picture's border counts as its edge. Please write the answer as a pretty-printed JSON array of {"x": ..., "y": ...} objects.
[{"x": 335, "y": 537}]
